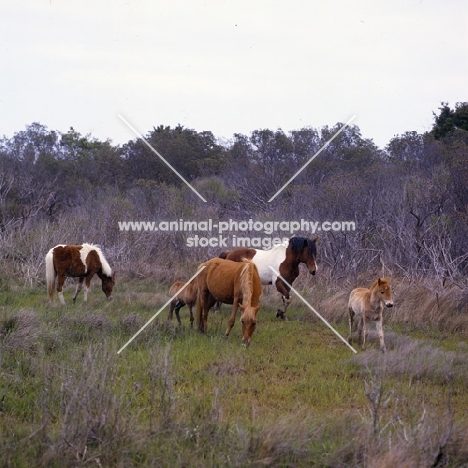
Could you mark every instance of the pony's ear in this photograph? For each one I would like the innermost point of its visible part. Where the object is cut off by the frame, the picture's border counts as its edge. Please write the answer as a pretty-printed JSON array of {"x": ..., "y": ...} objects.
[
  {"x": 379, "y": 281},
  {"x": 315, "y": 239}
]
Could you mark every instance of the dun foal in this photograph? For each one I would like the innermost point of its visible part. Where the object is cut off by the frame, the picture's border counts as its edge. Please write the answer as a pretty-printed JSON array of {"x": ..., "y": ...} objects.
[{"x": 367, "y": 305}]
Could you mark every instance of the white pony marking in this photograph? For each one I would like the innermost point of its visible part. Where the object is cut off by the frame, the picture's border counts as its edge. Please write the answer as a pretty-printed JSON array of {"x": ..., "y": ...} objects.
[
  {"x": 264, "y": 259},
  {"x": 86, "y": 248}
]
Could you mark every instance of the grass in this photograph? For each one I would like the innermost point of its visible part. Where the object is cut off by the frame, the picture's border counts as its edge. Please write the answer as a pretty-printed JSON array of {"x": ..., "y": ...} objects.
[{"x": 296, "y": 397}]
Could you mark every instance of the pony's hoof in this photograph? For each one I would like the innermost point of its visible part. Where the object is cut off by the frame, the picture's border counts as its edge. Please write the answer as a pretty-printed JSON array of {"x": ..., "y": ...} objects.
[{"x": 280, "y": 314}]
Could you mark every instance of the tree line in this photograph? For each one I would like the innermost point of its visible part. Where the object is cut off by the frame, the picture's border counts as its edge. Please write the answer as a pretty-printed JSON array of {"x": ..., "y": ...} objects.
[{"x": 409, "y": 201}]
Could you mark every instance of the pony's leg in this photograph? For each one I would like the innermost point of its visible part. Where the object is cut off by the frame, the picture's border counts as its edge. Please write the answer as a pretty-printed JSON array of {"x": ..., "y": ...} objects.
[
  {"x": 207, "y": 303},
  {"x": 190, "y": 306},
  {"x": 85, "y": 293},
  {"x": 79, "y": 286},
  {"x": 284, "y": 291},
  {"x": 60, "y": 281},
  {"x": 86, "y": 289},
  {"x": 232, "y": 318},
  {"x": 379, "y": 328},
  {"x": 200, "y": 311},
  {"x": 286, "y": 302}
]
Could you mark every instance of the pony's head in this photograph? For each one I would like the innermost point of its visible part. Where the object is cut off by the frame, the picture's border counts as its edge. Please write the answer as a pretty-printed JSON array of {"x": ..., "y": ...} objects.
[
  {"x": 249, "y": 322},
  {"x": 108, "y": 284},
  {"x": 385, "y": 292},
  {"x": 303, "y": 250}
]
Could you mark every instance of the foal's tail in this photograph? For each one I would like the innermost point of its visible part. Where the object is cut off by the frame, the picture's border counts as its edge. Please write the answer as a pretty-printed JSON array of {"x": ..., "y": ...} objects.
[{"x": 50, "y": 273}]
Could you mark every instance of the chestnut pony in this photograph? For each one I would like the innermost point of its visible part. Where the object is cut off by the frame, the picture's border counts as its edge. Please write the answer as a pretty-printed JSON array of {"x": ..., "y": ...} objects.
[
  {"x": 77, "y": 261},
  {"x": 232, "y": 283},
  {"x": 283, "y": 258}
]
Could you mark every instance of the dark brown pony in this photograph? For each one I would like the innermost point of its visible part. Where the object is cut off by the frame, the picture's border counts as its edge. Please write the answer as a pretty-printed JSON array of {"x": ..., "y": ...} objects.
[
  {"x": 77, "y": 261},
  {"x": 232, "y": 283},
  {"x": 187, "y": 297},
  {"x": 285, "y": 259}
]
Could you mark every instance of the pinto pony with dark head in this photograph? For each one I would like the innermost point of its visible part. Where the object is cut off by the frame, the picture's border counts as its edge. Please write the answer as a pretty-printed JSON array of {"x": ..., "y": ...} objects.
[
  {"x": 77, "y": 261},
  {"x": 367, "y": 305},
  {"x": 232, "y": 283},
  {"x": 285, "y": 259}
]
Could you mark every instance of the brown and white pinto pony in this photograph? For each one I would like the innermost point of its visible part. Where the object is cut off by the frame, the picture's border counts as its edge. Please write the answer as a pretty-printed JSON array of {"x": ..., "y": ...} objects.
[
  {"x": 187, "y": 297},
  {"x": 232, "y": 283},
  {"x": 285, "y": 259},
  {"x": 367, "y": 305},
  {"x": 77, "y": 261}
]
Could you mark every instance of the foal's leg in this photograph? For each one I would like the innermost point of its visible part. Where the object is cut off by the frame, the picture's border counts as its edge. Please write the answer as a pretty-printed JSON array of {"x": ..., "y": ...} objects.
[
  {"x": 351, "y": 321},
  {"x": 365, "y": 331},
  {"x": 171, "y": 309},
  {"x": 232, "y": 318},
  {"x": 360, "y": 327},
  {"x": 379, "y": 328},
  {"x": 179, "y": 306},
  {"x": 78, "y": 288}
]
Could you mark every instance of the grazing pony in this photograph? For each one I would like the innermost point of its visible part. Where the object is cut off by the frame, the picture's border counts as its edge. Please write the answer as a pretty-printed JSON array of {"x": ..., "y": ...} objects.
[
  {"x": 77, "y": 261},
  {"x": 285, "y": 259},
  {"x": 367, "y": 305},
  {"x": 232, "y": 283},
  {"x": 187, "y": 297}
]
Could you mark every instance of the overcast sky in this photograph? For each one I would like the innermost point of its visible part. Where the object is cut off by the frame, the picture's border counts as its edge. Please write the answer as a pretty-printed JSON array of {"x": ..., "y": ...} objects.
[{"x": 230, "y": 66}]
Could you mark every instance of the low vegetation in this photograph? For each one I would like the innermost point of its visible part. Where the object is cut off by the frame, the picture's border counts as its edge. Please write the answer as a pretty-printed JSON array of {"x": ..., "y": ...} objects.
[{"x": 296, "y": 397}]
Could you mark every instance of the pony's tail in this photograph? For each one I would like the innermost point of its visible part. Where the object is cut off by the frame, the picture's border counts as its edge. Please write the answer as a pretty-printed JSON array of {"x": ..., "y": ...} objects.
[{"x": 50, "y": 273}]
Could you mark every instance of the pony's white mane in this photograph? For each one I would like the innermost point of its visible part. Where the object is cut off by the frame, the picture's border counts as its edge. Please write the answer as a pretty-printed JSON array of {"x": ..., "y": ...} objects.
[{"x": 86, "y": 248}]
